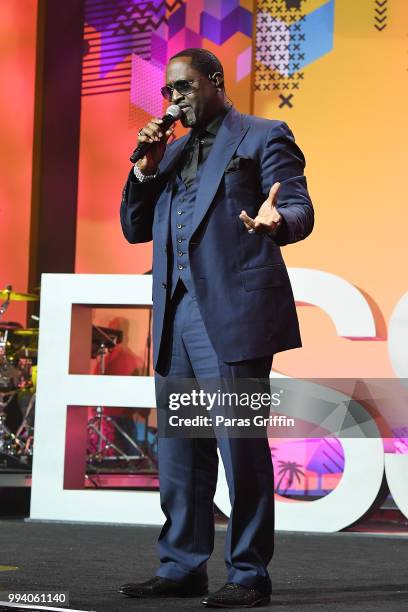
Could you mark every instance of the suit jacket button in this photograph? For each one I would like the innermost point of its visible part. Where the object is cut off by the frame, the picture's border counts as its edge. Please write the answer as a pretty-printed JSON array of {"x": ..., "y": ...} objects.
[{"x": 164, "y": 285}]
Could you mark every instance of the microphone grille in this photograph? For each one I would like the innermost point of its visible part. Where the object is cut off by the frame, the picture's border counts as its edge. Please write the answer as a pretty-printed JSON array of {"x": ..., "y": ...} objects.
[{"x": 174, "y": 110}]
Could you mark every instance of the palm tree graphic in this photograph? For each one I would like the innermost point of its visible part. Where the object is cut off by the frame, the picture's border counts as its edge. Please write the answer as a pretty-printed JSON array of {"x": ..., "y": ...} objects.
[{"x": 290, "y": 470}]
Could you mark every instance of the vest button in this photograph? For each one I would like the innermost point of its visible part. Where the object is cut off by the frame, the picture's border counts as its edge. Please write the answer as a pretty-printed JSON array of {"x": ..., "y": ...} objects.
[
  {"x": 179, "y": 240},
  {"x": 180, "y": 253},
  {"x": 179, "y": 212},
  {"x": 179, "y": 226},
  {"x": 180, "y": 267}
]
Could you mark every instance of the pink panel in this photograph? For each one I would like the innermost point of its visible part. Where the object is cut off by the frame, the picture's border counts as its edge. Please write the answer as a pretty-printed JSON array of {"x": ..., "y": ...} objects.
[
  {"x": 75, "y": 447},
  {"x": 177, "y": 43},
  {"x": 244, "y": 63},
  {"x": 193, "y": 39},
  {"x": 145, "y": 86},
  {"x": 182, "y": 40},
  {"x": 193, "y": 14}
]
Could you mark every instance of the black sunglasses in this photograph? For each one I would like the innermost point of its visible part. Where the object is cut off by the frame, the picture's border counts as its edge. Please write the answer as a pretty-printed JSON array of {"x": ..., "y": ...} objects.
[{"x": 183, "y": 86}]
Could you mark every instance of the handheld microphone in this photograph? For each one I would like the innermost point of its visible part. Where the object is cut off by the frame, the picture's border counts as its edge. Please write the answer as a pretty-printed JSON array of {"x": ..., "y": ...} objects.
[{"x": 173, "y": 113}]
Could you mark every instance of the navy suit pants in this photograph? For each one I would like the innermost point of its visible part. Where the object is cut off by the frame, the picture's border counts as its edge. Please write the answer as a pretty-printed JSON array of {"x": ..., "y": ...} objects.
[{"x": 188, "y": 467}]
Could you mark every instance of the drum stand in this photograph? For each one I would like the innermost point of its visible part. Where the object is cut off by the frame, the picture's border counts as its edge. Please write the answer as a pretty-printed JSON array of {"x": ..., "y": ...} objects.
[
  {"x": 6, "y": 436},
  {"x": 9, "y": 442},
  {"x": 95, "y": 424},
  {"x": 25, "y": 433},
  {"x": 17, "y": 445}
]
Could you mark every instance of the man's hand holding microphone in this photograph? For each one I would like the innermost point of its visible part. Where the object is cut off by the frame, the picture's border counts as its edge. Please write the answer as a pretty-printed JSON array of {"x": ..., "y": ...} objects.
[{"x": 152, "y": 140}]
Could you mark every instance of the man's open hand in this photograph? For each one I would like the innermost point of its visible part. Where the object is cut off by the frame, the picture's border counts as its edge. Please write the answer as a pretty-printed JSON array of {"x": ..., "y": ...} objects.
[{"x": 268, "y": 218}]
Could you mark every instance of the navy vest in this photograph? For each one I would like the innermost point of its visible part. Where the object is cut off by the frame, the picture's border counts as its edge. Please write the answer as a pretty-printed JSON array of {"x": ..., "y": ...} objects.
[{"x": 181, "y": 217}]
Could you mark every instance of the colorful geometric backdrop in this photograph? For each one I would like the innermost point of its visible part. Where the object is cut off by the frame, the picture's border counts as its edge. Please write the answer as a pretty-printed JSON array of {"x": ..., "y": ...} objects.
[
  {"x": 128, "y": 43},
  {"x": 334, "y": 70}
]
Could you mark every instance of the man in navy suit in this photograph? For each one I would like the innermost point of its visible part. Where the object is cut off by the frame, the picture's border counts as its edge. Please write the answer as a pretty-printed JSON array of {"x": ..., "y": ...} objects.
[{"x": 217, "y": 203}]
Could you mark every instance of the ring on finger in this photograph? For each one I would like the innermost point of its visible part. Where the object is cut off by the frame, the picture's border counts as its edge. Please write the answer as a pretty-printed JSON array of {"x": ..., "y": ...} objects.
[{"x": 251, "y": 231}]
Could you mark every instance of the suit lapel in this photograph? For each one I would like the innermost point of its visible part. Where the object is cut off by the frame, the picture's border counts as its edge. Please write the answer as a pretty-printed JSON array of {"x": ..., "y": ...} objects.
[
  {"x": 229, "y": 136},
  {"x": 167, "y": 166}
]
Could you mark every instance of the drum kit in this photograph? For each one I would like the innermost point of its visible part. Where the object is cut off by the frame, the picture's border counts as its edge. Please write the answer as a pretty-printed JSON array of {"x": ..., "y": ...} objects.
[
  {"x": 18, "y": 379},
  {"x": 18, "y": 373},
  {"x": 110, "y": 446}
]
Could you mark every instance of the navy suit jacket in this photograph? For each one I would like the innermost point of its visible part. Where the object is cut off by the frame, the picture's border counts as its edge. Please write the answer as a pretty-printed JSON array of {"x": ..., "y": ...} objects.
[{"x": 241, "y": 282}]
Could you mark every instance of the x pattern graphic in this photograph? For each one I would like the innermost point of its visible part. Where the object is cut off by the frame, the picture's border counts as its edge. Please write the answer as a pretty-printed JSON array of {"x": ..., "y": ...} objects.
[{"x": 279, "y": 52}]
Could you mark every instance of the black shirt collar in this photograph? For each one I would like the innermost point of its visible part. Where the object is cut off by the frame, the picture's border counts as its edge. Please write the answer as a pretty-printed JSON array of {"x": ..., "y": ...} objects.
[{"x": 214, "y": 125}]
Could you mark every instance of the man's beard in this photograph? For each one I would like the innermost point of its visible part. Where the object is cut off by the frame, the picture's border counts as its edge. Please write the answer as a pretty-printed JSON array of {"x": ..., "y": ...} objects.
[{"x": 188, "y": 118}]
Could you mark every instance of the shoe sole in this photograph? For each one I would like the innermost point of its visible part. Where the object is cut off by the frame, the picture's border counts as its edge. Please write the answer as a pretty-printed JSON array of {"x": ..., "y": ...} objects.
[
  {"x": 164, "y": 596},
  {"x": 260, "y": 602}
]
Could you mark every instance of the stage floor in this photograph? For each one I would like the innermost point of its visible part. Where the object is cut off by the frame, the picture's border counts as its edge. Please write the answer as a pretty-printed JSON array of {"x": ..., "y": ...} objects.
[{"x": 344, "y": 571}]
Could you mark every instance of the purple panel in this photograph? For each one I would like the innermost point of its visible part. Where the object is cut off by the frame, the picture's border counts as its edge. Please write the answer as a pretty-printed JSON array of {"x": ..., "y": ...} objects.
[
  {"x": 245, "y": 21},
  {"x": 158, "y": 50},
  {"x": 103, "y": 18},
  {"x": 111, "y": 14},
  {"x": 230, "y": 25},
  {"x": 238, "y": 20},
  {"x": 177, "y": 21},
  {"x": 114, "y": 50},
  {"x": 210, "y": 27},
  {"x": 328, "y": 457},
  {"x": 220, "y": 8}
]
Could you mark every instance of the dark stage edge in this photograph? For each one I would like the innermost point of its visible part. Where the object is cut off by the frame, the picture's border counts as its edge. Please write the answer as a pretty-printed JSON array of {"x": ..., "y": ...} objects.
[{"x": 310, "y": 572}]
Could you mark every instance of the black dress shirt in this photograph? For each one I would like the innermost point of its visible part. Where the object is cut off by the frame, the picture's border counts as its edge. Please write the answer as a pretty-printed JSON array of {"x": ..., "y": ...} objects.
[{"x": 198, "y": 148}]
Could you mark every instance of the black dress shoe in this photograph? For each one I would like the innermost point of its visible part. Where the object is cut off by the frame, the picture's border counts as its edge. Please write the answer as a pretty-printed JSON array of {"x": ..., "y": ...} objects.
[
  {"x": 233, "y": 595},
  {"x": 193, "y": 586}
]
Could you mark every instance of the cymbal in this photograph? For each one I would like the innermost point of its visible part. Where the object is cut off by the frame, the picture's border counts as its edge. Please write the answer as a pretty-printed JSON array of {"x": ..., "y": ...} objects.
[
  {"x": 9, "y": 326},
  {"x": 13, "y": 296},
  {"x": 28, "y": 351},
  {"x": 30, "y": 331}
]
